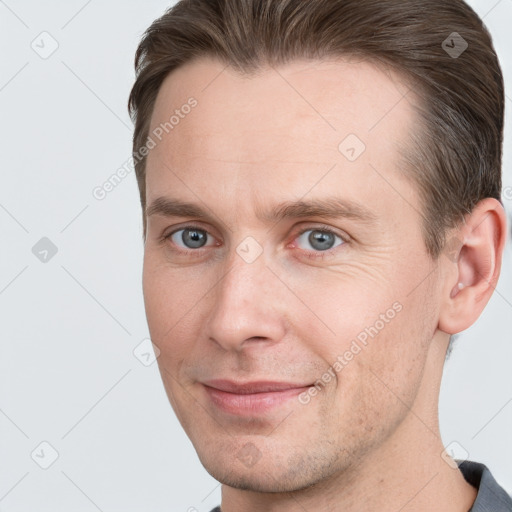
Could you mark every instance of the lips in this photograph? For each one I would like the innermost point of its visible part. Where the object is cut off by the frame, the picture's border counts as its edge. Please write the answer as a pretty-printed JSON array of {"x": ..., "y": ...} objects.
[
  {"x": 251, "y": 398},
  {"x": 252, "y": 387}
]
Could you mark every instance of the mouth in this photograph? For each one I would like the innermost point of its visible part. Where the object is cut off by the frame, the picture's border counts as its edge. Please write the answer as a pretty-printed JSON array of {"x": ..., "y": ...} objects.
[{"x": 251, "y": 398}]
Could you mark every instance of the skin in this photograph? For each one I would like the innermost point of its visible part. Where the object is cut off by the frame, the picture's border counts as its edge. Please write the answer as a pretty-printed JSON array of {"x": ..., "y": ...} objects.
[{"x": 369, "y": 440}]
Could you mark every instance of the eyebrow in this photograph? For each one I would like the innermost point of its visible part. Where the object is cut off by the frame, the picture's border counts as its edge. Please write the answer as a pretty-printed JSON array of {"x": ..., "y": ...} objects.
[{"x": 329, "y": 207}]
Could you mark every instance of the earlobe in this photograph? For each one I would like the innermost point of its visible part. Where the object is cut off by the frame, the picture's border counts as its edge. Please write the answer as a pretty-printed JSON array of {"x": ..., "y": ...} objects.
[{"x": 472, "y": 271}]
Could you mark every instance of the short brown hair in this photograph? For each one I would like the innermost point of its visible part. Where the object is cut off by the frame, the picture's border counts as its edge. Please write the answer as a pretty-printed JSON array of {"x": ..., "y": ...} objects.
[{"x": 454, "y": 156}]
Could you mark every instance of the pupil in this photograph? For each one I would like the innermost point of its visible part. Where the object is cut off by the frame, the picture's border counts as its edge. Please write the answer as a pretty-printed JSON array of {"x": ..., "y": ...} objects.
[{"x": 321, "y": 240}]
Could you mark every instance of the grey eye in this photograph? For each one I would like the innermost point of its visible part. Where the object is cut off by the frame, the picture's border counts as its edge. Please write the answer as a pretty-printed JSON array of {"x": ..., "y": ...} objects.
[
  {"x": 318, "y": 239},
  {"x": 190, "y": 238}
]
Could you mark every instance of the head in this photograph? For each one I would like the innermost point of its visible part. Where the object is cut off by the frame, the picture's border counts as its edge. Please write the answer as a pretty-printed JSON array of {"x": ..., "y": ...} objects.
[{"x": 316, "y": 179}]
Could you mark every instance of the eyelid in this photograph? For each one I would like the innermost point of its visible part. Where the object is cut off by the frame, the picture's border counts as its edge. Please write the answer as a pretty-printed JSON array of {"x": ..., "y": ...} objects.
[
  {"x": 180, "y": 227},
  {"x": 325, "y": 229}
]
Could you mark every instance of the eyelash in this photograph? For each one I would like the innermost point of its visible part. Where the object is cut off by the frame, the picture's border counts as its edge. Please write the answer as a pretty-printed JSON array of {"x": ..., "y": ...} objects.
[{"x": 309, "y": 254}]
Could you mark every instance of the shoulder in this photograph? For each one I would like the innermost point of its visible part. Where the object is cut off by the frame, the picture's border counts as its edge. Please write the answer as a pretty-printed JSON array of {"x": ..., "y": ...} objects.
[{"x": 491, "y": 496}]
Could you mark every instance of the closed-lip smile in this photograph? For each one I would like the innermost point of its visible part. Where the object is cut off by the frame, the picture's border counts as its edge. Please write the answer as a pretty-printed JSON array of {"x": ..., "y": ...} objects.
[{"x": 250, "y": 398}]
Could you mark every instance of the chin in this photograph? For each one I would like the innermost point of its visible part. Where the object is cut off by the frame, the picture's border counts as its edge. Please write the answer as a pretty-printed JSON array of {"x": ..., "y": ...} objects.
[
  {"x": 264, "y": 469},
  {"x": 261, "y": 480}
]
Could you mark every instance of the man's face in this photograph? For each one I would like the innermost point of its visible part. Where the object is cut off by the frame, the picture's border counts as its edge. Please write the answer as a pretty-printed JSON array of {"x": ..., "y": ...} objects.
[{"x": 236, "y": 294}]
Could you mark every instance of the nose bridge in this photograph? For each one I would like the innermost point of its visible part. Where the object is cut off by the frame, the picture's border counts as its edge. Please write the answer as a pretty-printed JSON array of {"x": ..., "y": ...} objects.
[{"x": 246, "y": 304}]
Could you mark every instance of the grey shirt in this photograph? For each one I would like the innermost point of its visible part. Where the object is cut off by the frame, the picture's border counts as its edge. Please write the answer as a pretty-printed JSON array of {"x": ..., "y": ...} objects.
[{"x": 490, "y": 498}]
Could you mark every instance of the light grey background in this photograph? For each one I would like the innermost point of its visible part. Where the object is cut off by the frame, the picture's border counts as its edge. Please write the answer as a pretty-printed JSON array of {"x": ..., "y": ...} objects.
[{"x": 68, "y": 374}]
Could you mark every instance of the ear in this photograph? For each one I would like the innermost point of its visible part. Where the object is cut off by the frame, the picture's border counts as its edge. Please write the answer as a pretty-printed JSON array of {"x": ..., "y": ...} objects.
[{"x": 472, "y": 261}]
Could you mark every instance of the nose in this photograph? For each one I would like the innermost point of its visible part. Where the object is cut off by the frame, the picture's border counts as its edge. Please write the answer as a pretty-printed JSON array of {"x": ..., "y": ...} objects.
[{"x": 248, "y": 306}]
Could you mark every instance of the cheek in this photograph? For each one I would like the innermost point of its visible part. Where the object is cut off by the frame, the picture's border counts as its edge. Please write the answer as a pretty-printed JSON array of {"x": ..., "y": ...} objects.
[
  {"x": 377, "y": 336},
  {"x": 156, "y": 300},
  {"x": 394, "y": 360},
  {"x": 170, "y": 303},
  {"x": 377, "y": 386},
  {"x": 169, "y": 325},
  {"x": 343, "y": 312}
]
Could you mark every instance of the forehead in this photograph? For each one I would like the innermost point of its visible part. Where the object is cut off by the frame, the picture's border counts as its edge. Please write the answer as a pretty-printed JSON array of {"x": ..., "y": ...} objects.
[
  {"x": 343, "y": 93},
  {"x": 284, "y": 126}
]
